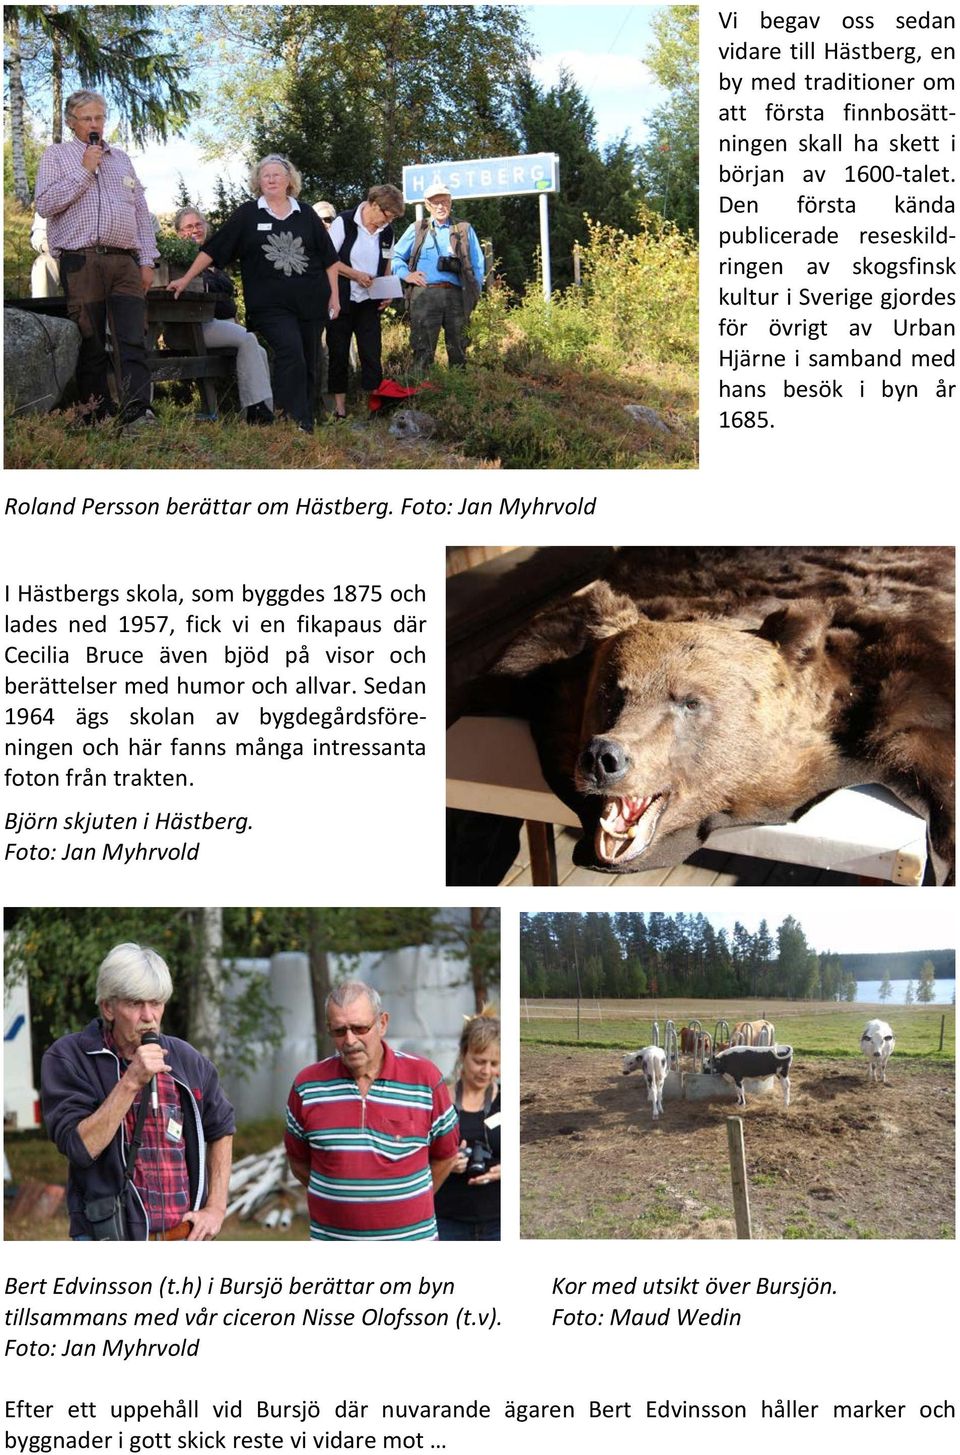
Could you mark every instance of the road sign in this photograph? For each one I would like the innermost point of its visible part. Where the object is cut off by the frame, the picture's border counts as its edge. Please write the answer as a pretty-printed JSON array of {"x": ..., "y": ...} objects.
[
  {"x": 485, "y": 177},
  {"x": 534, "y": 176}
]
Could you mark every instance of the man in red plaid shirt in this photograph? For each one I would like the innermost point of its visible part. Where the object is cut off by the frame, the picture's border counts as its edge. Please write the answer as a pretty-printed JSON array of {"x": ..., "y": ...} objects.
[{"x": 92, "y": 1087}]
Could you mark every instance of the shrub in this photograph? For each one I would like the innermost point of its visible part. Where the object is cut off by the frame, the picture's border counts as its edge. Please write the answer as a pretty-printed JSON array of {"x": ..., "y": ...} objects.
[
  {"x": 637, "y": 304},
  {"x": 180, "y": 251}
]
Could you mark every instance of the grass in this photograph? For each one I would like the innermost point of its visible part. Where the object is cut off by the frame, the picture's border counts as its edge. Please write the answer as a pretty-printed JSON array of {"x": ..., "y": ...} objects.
[
  {"x": 813, "y": 1028},
  {"x": 545, "y": 387},
  {"x": 856, "y": 1231},
  {"x": 608, "y": 1219},
  {"x": 799, "y": 1226},
  {"x": 182, "y": 442}
]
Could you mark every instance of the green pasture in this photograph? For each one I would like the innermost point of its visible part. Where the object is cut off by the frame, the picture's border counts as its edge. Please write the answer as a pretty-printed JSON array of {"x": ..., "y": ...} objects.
[{"x": 813, "y": 1028}]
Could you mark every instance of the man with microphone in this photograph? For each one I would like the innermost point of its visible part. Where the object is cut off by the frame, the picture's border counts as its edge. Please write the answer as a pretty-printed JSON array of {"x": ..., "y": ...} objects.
[
  {"x": 99, "y": 229},
  {"x": 140, "y": 1117}
]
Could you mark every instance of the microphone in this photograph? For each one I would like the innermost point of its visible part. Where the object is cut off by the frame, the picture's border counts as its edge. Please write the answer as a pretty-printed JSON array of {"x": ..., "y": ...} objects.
[
  {"x": 93, "y": 140},
  {"x": 150, "y": 1038}
]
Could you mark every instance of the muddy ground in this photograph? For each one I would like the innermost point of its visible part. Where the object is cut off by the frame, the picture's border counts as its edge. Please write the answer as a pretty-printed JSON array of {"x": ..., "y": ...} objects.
[{"x": 844, "y": 1160}]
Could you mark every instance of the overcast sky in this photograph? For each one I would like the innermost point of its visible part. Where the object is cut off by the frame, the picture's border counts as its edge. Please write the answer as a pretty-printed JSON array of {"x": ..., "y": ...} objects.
[{"x": 600, "y": 45}]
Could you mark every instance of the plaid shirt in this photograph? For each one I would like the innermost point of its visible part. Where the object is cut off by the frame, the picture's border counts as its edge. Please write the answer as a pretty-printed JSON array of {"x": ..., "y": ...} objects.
[
  {"x": 160, "y": 1174},
  {"x": 84, "y": 209}
]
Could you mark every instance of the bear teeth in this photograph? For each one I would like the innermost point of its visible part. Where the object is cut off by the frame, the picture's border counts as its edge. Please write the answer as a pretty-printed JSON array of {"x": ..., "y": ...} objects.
[{"x": 621, "y": 823}]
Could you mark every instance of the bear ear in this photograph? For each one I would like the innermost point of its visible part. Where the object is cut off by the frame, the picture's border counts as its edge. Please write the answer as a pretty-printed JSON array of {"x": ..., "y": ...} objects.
[
  {"x": 563, "y": 632},
  {"x": 799, "y": 630}
]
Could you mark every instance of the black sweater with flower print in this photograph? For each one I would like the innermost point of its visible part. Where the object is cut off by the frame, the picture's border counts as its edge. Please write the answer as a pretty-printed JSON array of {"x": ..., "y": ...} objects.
[{"x": 282, "y": 263}]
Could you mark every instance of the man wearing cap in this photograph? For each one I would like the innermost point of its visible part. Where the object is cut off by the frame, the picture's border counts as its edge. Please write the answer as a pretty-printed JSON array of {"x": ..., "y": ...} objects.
[
  {"x": 441, "y": 258},
  {"x": 326, "y": 213},
  {"x": 99, "y": 229}
]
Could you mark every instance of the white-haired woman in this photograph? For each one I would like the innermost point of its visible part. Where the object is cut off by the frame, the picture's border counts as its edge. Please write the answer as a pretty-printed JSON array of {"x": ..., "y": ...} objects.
[
  {"x": 289, "y": 269},
  {"x": 223, "y": 332},
  {"x": 467, "y": 1204}
]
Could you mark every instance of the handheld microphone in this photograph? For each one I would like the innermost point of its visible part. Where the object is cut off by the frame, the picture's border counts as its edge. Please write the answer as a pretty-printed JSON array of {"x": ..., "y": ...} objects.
[
  {"x": 93, "y": 140},
  {"x": 150, "y": 1038}
]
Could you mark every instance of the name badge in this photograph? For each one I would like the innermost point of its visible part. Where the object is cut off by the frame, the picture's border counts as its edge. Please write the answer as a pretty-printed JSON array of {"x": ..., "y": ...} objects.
[
  {"x": 264, "y": 227},
  {"x": 174, "y": 1130},
  {"x": 130, "y": 182},
  {"x": 386, "y": 252},
  {"x": 492, "y": 1122}
]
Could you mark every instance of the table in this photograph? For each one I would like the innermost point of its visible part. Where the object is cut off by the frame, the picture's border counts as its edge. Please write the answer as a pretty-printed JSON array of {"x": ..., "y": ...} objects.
[
  {"x": 186, "y": 356},
  {"x": 181, "y": 322}
]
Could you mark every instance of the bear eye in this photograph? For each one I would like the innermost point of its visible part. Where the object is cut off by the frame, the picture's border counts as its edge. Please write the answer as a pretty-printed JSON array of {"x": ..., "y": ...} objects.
[{"x": 691, "y": 704}]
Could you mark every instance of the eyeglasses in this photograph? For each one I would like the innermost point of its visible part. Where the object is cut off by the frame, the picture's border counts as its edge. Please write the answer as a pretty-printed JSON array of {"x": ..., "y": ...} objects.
[{"x": 338, "y": 1032}]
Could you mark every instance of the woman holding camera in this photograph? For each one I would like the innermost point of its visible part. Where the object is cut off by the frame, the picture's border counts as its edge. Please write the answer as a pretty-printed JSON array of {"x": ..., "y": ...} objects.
[{"x": 467, "y": 1204}]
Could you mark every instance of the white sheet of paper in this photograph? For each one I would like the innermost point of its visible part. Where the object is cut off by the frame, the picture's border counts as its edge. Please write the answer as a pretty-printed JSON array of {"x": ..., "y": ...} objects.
[{"x": 387, "y": 287}]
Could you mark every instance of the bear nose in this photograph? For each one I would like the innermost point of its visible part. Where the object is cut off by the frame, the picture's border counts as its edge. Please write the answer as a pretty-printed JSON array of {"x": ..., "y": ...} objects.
[{"x": 605, "y": 761}]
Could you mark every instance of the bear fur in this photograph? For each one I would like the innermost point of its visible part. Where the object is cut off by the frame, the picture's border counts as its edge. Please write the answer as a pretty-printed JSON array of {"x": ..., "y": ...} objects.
[{"x": 695, "y": 688}]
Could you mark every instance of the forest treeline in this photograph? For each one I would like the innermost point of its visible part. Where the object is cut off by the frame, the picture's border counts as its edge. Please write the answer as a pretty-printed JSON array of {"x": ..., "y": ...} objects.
[
  {"x": 901, "y": 964},
  {"x": 632, "y": 955},
  {"x": 352, "y": 94}
]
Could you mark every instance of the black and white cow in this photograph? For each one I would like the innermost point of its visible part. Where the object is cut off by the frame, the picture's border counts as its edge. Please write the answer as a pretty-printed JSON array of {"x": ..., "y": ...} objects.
[
  {"x": 877, "y": 1043},
  {"x": 750, "y": 1062},
  {"x": 652, "y": 1060}
]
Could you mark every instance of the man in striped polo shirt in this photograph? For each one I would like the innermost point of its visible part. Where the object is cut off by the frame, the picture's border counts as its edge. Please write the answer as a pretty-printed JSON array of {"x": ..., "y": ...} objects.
[{"x": 371, "y": 1132}]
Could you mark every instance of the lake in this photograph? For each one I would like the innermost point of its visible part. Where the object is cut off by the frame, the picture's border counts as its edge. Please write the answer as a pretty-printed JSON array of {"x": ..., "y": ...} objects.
[{"x": 869, "y": 990}]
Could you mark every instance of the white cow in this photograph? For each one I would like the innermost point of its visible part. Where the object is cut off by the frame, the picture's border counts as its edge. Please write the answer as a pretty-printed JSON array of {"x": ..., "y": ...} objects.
[
  {"x": 652, "y": 1060},
  {"x": 877, "y": 1043}
]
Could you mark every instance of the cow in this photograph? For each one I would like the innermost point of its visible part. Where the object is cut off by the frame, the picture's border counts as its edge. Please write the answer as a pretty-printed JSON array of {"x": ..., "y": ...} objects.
[
  {"x": 751, "y": 1062},
  {"x": 877, "y": 1043},
  {"x": 688, "y": 1041},
  {"x": 753, "y": 1033},
  {"x": 652, "y": 1060}
]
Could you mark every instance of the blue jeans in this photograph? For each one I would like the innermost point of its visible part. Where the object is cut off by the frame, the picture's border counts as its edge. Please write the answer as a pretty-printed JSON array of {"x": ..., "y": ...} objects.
[{"x": 455, "y": 1230}]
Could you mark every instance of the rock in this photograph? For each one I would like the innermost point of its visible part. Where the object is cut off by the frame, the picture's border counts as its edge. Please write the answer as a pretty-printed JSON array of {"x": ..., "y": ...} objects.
[
  {"x": 649, "y": 417},
  {"x": 412, "y": 424},
  {"x": 39, "y": 358}
]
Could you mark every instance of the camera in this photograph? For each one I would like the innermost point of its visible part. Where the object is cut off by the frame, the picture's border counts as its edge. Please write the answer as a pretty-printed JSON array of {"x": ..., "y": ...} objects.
[
  {"x": 479, "y": 1157},
  {"x": 448, "y": 265}
]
